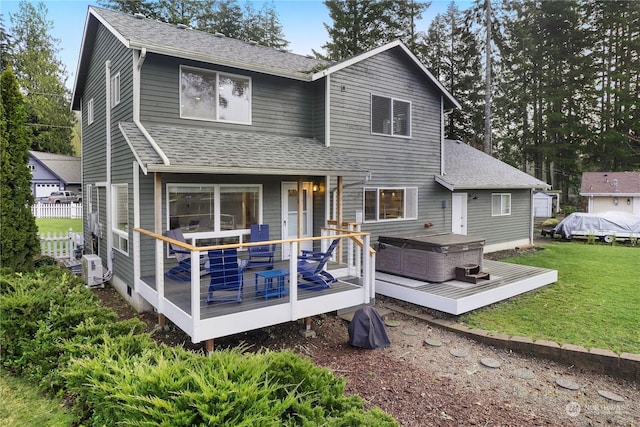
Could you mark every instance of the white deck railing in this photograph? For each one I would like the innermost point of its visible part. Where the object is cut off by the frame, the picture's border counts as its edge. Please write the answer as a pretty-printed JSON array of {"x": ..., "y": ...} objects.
[{"x": 57, "y": 210}]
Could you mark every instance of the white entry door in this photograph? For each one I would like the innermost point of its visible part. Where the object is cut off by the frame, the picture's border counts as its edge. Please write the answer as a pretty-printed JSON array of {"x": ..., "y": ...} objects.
[
  {"x": 290, "y": 215},
  {"x": 459, "y": 213}
]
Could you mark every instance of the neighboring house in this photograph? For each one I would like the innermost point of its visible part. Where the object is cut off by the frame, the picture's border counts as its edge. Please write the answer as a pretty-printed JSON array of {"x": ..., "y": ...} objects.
[
  {"x": 611, "y": 191},
  {"x": 54, "y": 172},
  {"x": 187, "y": 129},
  {"x": 489, "y": 198}
]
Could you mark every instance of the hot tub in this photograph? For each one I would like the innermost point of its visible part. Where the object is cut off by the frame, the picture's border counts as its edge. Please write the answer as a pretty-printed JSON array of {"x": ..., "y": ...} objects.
[{"x": 428, "y": 257}]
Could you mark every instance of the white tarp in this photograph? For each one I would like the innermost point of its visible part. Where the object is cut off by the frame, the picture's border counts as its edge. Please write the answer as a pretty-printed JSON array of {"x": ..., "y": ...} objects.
[{"x": 621, "y": 224}]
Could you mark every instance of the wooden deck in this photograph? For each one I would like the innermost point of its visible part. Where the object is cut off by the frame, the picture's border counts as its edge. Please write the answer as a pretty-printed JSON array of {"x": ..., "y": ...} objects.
[
  {"x": 179, "y": 293},
  {"x": 456, "y": 297}
]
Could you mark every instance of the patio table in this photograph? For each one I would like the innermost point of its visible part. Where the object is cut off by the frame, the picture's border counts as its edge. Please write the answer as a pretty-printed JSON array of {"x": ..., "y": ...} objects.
[{"x": 271, "y": 283}]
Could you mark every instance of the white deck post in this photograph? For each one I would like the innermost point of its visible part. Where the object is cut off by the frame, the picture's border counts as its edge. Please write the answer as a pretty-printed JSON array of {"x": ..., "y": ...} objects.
[
  {"x": 367, "y": 279},
  {"x": 293, "y": 280},
  {"x": 195, "y": 292}
]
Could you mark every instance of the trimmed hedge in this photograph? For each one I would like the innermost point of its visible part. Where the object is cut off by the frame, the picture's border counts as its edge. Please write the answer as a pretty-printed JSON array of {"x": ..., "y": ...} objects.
[{"x": 54, "y": 332}]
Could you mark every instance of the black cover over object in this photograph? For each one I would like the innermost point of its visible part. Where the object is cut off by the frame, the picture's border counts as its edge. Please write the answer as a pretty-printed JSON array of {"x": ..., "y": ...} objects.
[{"x": 367, "y": 330}]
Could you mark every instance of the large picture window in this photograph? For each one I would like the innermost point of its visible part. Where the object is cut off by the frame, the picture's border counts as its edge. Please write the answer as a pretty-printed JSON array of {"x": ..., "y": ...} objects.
[
  {"x": 120, "y": 224},
  {"x": 385, "y": 204},
  {"x": 500, "y": 204},
  {"x": 213, "y": 207},
  {"x": 209, "y": 95},
  {"x": 390, "y": 116}
]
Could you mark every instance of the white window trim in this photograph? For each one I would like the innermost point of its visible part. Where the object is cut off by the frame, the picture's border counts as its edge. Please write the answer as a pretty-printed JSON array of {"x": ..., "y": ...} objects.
[
  {"x": 218, "y": 232},
  {"x": 114, "y": 214},
  {"x": 90, "y": 112},
  {"x": 392, "y": 99},
  {"x": 218, "y": 74},
  {"x": 409, "y": 216},
  {"x": 502, "y": 207},
  {"x": 115, "y": 90}
]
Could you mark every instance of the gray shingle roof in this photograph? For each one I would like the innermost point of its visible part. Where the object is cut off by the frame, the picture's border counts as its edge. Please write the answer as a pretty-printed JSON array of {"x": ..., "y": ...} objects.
[
  {"x": 215, "y": 151},
  {"x": 67, "y": 168},
  {"x": 188, "y": 43},
  {"x": 468, "y": 168},
  {"x": 610, "y": 183}
]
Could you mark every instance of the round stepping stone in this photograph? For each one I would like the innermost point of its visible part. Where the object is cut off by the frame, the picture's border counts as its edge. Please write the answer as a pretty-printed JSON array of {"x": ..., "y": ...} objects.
[
  {"x": 433, "y": 342},
  {"x": 410, "y": 332},
  {"x": 568, "y": 384},
  {"x": 490, "y": 363},
  {"x": 524, "y": 374},
  {"x": 611, "y": 395},
  {"x": 459, "y": 352},
  {"x": 392, "y": 323}
]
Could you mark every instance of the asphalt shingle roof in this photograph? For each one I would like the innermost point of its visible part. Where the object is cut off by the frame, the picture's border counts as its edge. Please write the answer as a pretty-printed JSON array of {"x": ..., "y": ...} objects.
[
  {"x": 66, "y": 167},
  {"x": 188, "y": 43},
  {"x": 214, "y": 151},
  {"x": 468, "y": 168},
  {"x": 610, "y": 183}
]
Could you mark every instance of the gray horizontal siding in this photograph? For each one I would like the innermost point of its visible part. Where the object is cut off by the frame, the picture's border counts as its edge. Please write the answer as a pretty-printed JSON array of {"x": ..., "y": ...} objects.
[
  {"x": 392, "y": 161},
  {"x": 278, "y": 105},
  {"x": 498, "y": 229}
]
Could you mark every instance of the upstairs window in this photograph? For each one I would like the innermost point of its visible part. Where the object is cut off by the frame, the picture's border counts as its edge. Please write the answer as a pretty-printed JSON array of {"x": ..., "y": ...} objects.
[
  {"x": 500, "y": 204},
  {"x": 390, "y": 116},
  {"x": 209, "y": 95},
  {"x": 390, "y": 203},
  {"x": 90, "y": 111},
  {"x": 115, "y": 90}
]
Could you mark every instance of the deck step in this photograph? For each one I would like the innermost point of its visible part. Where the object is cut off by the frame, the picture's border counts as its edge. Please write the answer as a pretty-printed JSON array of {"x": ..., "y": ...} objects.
[{"x": 471, "y": 273}]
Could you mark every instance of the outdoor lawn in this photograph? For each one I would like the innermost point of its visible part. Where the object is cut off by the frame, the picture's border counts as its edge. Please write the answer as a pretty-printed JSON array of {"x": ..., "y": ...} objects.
[
  {"x": 594, "y": 303},
  {"x": 58, "y": 225}
]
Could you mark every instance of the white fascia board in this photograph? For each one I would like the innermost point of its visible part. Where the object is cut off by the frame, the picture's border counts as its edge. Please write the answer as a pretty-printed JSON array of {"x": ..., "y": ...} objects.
[
  {"x": 373, "y": 52},
  {"x": 135, "y": 153},
  {"x": 610, "y": 194},
  {"x": 250, "y": 171},
  {"x": 108, "y": 26}
]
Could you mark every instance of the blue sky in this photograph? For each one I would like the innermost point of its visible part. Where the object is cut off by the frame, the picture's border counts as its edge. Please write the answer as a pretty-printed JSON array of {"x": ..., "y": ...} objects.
[{"x": 302, "y": 22}]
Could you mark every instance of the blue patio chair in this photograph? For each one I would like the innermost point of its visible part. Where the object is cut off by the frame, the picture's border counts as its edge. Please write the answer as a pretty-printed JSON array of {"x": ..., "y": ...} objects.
[
  {"x": 260, "y": 256},
  {"x": 182, "y": 271},
  {"x": 311, "y": 266},
  {"x": 226, "y": 275}
]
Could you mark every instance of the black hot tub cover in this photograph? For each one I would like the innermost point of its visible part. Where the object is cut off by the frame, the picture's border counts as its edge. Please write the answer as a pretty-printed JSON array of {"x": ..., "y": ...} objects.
[{"x": 367, "y": 330}]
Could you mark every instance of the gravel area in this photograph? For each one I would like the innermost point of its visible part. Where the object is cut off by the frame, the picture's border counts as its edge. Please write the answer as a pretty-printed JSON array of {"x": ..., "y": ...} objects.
[{"x": 433, "y": 377}]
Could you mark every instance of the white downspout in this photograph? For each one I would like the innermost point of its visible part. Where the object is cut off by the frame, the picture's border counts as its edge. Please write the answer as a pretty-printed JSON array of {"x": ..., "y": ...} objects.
[
  {"x": 327, "y": 112},
  {"x": 137, "y": 66},
  {"x": 442, "y": 114},
  {"x": 107, "y": 103}
]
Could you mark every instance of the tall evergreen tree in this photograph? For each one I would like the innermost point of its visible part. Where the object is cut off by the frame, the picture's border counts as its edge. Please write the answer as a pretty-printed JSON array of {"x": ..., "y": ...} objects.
[
  {"x": 42, "y": 77},
  {"x": 18, "y": 239},
  {"x": 615, "y": 145},
  {"x": 450, "y": 50},
  {"x": 359, "y": 26}
]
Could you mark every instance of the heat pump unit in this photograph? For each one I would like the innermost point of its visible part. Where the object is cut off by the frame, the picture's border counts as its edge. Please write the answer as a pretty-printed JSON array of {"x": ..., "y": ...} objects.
[{"x": 92, "y": 270}]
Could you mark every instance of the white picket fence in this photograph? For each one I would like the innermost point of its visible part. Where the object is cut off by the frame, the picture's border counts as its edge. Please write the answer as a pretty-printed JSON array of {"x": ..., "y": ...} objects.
[
  {"x": 60, "y": 245},
  {"x": 57, "y": 210}
]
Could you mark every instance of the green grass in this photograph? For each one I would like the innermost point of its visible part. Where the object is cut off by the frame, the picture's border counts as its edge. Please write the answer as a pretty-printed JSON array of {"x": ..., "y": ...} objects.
[
  {"x": 23, "y": 405},
  {"x": 57, "y": 225},
  {"x": 594, "y": 303}
]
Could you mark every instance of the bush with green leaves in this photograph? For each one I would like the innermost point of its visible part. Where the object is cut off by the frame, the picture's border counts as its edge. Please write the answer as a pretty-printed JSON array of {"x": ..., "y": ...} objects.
[
  {"x": 54, "y": 332},
  {"x": 174, "y": 387},
  {"x": 43, "y": 314}
]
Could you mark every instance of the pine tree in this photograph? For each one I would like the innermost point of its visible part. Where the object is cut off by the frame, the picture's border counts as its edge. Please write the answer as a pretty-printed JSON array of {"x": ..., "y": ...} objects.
[
  {"x": 18, "y": 239},
  {"x": 358, "y": 26},
  {"x": 42, "y": 77},
  {"x": 451, "y": 51}
]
